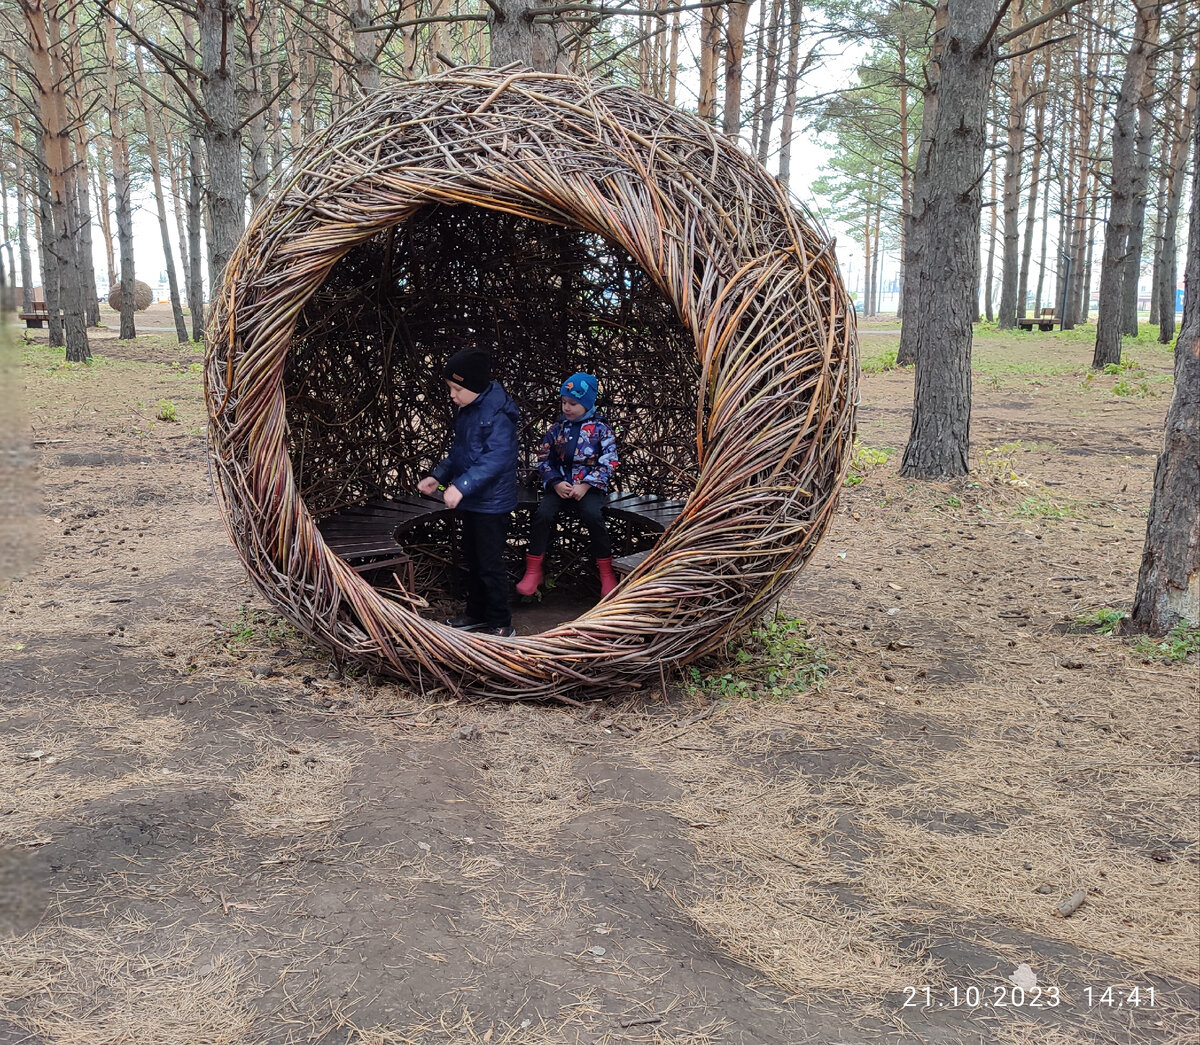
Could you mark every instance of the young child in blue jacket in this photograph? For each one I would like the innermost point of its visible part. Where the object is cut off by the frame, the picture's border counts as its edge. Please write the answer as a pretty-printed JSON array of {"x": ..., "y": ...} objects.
[
  {"x": 576, "y": 462},
  {"x": 480, "y": 479}
]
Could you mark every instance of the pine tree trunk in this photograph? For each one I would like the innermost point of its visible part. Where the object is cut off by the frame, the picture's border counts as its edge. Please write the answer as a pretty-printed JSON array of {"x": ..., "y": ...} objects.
[
  {"x": 46, "y": 249},
  {"x": 50, "y": 77},
  {"x": 1035, "y": 170},
  {"x": 101, "y": 169},
  {"x": 946, "y": 210},
  {"x": 364, "y": 45},
  {"x": 989, "y": 279},
  {"x": 1127, "y": 183},
  {"x": 1169, "y": 580},
  {"x": 1041, "y": 283},
  {"x": 516, "y": 37},
  {"x": 1168, "y": 278},
  {"x": 222, "y": 133},
  {"x": 121, "y": 184},
  {"x": 175, "y": 174},
  {"x": 1160, "y": 204},
  {"x": 771, "y": 85},
  {"x": 735, "y": 44},
  {"x": 181, "y": 333},
  {"x": 256, "y": 127},
  {"x": 905, "y": 167},
  {"x": 710, "y": 44},
  {"x": 790, "y": 87},
  {"x": 78, "y": 177},
  {"x": 1137, "y": 225},
  {"x": 194, "y": 199},
  {"x": 22, "y": 200},
  {"x": 1006, "y": 312}
]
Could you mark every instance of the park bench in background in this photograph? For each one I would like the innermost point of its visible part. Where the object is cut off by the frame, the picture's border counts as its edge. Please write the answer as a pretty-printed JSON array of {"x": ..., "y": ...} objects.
[
  {"x": 37, "y": 314},
  {"x": 1044, "y": 320}
]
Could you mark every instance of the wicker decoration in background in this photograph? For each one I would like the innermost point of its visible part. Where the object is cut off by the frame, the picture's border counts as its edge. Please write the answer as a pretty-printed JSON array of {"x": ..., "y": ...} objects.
[
  {"x": 564, "y": 225},
  {"x": 143, "y": 296}
]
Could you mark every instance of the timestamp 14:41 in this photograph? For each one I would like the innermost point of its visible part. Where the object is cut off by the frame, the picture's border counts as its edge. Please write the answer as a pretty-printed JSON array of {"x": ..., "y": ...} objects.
[{"x": 1120, "y": 997}]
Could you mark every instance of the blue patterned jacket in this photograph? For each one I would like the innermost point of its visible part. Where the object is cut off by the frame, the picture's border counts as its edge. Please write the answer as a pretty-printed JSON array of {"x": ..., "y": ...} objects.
[{"x": 595, "y": 457}]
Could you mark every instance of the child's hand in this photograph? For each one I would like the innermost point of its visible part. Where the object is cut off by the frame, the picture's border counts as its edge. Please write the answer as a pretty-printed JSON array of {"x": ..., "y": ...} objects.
[
  {"x": 564, "y": 489},
  {"x": 579, "y": 490},
  {"x": 452, "y": 496},
  {"x": 428, "y": 486}
]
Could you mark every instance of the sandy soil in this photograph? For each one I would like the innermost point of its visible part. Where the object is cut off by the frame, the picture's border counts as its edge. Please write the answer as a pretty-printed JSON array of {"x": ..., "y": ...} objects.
[{"x": 207, "y": 835}]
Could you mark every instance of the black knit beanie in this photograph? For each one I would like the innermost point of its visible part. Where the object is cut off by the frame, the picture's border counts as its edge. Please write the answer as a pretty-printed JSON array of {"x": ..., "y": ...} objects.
[{"x": 469, "y": 367}]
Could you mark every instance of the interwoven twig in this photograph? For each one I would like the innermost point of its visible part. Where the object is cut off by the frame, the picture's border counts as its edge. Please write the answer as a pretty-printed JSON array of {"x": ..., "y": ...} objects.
[{"x": 758, "y": 319}]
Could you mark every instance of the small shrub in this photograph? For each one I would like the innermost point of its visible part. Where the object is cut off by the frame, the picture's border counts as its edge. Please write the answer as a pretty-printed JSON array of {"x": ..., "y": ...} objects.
[
  {"x": 166, "y": 411},
  {"x": 775, "y": 661},
  {"x": 1181, "y": 642},
  {"x": 863, "y": 459}
]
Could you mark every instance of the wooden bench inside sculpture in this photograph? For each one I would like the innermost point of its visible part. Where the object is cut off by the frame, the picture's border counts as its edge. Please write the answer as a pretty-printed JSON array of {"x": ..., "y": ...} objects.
[{"x": 563, "y": 226}]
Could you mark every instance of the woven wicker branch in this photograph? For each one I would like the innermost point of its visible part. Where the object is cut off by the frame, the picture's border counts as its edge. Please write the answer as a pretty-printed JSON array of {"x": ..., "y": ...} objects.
[{"x": 324, "y": 292}]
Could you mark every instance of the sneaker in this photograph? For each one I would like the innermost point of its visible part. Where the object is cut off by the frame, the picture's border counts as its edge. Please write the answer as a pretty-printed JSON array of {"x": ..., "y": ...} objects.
[
  {"x": 464, "y": 623},
  {"x": 504, "y": 633}
]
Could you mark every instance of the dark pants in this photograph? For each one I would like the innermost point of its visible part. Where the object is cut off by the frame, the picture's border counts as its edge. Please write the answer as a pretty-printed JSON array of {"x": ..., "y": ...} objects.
[
  {"x": 483, "y": 545},
  {"x": 589, "y": 509}
]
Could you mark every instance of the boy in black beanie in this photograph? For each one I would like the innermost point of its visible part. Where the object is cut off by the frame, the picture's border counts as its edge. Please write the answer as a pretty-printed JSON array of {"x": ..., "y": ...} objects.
[{"x": 480, "y": 480}]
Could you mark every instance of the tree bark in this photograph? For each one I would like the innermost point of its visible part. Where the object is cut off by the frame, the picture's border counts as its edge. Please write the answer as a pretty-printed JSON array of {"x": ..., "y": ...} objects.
[
  {"x": 1168, "y": 277},
  {"x": 22, "y": 198},
  {"x": 735, "y": 45},
  {"x": 222, "y": 133},
  {"x": 1137, "y": 223},
  {"x": 990, "y": 276},
  {"x": 1035, "y": 171},
  {"x": 710, "y": 43},
  {"x": 102, "y": 197},
  {"x": 49, "y": 68},
  {"x": 49, "y": 256},
  {"x": 194, "y": 199},
  {"x": 516, "y": 37},
  {"x": 790, "y": 89},
  {"x": 1127, "y": 183},
  {"x": 257, "y": 126},
  {"x": 1041, "y": 283},
  {"x": 78, "y": 191},
  {"x": 944, "y": 278},
  {"x": 175, "y": 174},
  {"x": 1169, "y": 580},
  {"x": 364, "y": 46},
  {"x": 905, "y": 165},
  {"x": 181, "y": 333},
  {"x": 121, "y": 184}
]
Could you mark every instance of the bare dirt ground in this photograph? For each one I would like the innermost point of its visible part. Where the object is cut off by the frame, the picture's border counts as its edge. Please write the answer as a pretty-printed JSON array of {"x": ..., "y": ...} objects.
[{"x": 207, "y": 835}]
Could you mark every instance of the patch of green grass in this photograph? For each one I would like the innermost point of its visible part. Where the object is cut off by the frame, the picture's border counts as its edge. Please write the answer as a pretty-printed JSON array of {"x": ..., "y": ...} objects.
[
  {"x": 886, "y": 360},
  {"x": 952, "y": 502},
  {"x": 256, "y": 627},
  {"x": 1104, "y": 620},
  {"x": 1181, "y": 642},
  {"x": 1042, "y": 507},
  {"x": 1124, "y": 387},
  {"x": 863, "y": 459},
  {"x": 774, "y": 661}
]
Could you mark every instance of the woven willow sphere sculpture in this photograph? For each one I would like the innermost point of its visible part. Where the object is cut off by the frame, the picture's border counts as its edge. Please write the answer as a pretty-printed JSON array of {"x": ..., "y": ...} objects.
[
  {"x": 564, "y": 225},
  {"x": 143, "y": 296}
]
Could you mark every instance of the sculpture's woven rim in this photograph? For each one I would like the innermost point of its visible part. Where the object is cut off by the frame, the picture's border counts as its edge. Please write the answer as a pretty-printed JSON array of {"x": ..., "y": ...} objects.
[{"x": 751, "y": 278}]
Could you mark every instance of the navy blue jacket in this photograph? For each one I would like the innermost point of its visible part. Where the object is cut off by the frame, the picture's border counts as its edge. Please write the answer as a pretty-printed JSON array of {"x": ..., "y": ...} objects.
[{"x": 482, "y": 461}]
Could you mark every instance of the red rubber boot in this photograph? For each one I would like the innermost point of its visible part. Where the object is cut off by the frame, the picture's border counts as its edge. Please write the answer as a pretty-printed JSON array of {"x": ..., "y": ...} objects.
[
  {"x": 608, "y": 578},
  {"x": 528, "y": 585}
]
